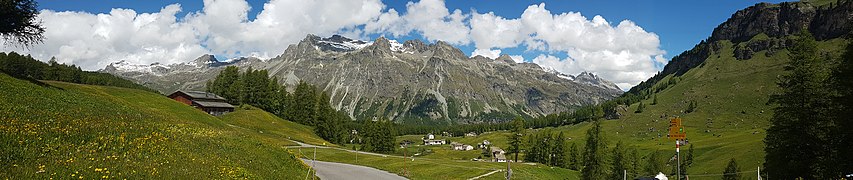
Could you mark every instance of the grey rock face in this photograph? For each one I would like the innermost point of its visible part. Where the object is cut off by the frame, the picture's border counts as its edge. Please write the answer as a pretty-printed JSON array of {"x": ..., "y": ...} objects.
[{"x": 412, "y": 82}]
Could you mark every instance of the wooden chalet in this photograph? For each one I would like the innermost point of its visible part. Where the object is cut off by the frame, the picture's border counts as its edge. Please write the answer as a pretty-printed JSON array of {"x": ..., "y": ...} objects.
[{"x": 205, "y": 101}]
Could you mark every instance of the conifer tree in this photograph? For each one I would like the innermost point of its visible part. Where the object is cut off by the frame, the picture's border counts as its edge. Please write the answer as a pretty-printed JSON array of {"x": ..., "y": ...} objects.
[
  {"x": 798, "y": 137},
  {"x": 515, "y": 139},
  {"x": 303, "y": 104},
  {"x": 618, "y": 162},
  {"x": 653, "y": 164},
  {"x": 574, "y": 158},
  {"x": 594, "y": 163},
  {"x": 842, "y": 81},
  {"x": 559, "y": 151},
  {"x": 731, "y": 172},
  {"x": 634, "y": 167},
  {"x": 640, "y": 108},
  {"x": 655, "y": 100}
]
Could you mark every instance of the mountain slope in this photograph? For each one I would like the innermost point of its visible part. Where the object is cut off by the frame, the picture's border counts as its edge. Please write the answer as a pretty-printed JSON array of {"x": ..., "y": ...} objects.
[
  {"x": 731, "y": 78},
  {"x": 410, "y": 82},
  {"x": 65, "y": 130}
]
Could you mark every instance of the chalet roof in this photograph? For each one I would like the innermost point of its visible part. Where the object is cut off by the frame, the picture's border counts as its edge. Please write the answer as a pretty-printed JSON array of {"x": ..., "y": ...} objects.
[
  {"x": 213, "y": 104},
  {"x": 201, "y": 95}
]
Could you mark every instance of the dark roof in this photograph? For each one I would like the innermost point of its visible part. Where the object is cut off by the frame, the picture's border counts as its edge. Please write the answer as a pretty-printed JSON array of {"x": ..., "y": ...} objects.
[
  {"x": 201, "y": 95},
  {"x": 213, "y": 104}
]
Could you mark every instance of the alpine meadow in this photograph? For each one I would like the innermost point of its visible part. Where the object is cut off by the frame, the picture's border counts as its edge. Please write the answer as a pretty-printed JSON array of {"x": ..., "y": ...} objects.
[{"x": 426, "y": 89}]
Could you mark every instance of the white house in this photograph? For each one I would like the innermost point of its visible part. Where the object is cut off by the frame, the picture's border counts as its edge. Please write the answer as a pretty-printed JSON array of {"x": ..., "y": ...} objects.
[
  {"x": 498, "y": 153},
  {"x": 433, "y": 141},
  {"x": 430, "y": 140},
  {"x": 484, "y": 145},
  {"x": 470, "y": 134},
  {"x": 461, "y": 147}
]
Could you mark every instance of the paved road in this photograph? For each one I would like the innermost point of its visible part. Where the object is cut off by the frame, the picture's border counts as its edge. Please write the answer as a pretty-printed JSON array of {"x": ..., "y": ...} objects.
[{"x": 334, "y": 171}]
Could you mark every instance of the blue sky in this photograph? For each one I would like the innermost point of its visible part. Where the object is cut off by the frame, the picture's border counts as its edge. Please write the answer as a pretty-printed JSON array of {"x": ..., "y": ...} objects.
[
  {"x": 632, "y": 54},
  {"x": 680, "y": 24}
]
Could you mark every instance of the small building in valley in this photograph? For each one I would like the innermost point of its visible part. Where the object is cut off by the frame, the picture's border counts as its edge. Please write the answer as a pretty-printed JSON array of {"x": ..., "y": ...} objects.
[
  {"x": 461, "y": 147},
  {"x": 205, "y": 101},
  {"x": 429, "y": 139},
  {"x": 498, "y": 154}
]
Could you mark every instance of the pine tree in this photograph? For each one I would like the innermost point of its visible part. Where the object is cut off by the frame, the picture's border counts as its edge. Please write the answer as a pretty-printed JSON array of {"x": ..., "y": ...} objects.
[
  {"x": 688, "y": 161},
  {"x": 640, "y": 108},
  {"x": 328, "y": 125},
  {"x": 842, "y": 81},
  {"x": 798, "y": 137},
  {"x": 731, "y": 172},
  {"x": 655, "y": 100},
  {"x": 574, "y": 158},
  {"x": 618, "y": 162},
  {"x": 634, "y": 167},
  {"x": 653, "y": 164},
  {"x": 515, "y": 139},
  {"x": 303, "y": 104},
  {"x": 691, "y": 107},
  {"x": 559, "y": 151},
  {"x": 594, "y": 162},
  {"x": 225, "y": 84}
]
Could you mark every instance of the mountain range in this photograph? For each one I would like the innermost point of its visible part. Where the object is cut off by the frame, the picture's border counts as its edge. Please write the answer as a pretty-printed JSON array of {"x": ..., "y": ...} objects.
[{"x": 411, "y": 82}]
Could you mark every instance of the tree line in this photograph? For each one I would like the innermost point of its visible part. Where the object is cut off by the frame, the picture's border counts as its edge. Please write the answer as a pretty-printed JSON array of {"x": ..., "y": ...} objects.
[
  {"x": 305, "y": 105},
  {"x": 595, "y": 159},
  {"x": 26, "y": 67}
]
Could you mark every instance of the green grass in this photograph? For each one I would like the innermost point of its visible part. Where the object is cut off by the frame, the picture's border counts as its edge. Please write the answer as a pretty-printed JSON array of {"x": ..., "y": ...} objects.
[
  {"x": 71, "y": 131},
  {"x": 429, "y": 168},
  {"x": 730, "y": 120},
  {"x": 269, "y": 126}
]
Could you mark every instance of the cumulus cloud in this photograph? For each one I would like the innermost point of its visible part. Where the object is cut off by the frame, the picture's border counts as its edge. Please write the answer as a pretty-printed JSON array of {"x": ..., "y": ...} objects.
[
  {"x": 92, "y": 41},
  {"x": 490, "y": 31},
  {"x": 623, "y": 53},
  {"x": 487, "y": 53},
  {"x": 429, "y": 18},
  {"x": 222, "y": 27}
]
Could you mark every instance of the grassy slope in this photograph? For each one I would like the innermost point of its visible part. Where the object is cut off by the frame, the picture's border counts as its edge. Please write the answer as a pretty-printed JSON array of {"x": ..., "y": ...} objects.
[
  {"x": 730, "y": 120},
  {"x": 64, "y": 130},
  {"x": 268, "y": 126},
  {"x": 429, "y": 168}
]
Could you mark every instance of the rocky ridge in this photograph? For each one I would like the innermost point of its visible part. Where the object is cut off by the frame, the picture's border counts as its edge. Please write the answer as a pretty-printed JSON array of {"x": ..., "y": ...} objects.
[{"x": 411, "y": 82}]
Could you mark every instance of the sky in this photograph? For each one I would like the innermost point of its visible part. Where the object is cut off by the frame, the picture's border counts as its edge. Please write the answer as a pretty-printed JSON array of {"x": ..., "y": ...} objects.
[{"x": 625, "y": 42}]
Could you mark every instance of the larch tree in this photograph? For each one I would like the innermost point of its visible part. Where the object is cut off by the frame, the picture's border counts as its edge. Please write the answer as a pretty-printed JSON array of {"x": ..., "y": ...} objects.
[{"x": 594, "y": 162}]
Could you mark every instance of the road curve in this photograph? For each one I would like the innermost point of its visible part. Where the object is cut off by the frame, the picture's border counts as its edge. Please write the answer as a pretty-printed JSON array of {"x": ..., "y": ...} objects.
[{"x": 335, "y": 171}]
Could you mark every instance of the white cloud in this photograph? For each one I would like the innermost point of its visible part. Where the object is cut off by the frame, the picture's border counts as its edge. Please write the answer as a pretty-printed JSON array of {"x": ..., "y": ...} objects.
[
  {"x": 517, "y": 58},
  {"x": 429, "y": 18},
  {"x": 490, "y": 31},
  {"x": 222, "y": 27},
  {"x": 93, "y": 41},
  {"x": 624, "y": 53},
  {"x": 487, "y": 53}
]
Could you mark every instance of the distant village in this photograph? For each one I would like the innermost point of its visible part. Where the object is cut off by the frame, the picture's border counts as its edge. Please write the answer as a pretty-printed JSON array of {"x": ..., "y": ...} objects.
[{"x": 493, "y": 153}]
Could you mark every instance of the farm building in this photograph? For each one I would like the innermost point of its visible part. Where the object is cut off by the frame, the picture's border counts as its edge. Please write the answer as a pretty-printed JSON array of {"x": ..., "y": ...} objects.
[
  {"x": 205, "y": 101},
  {"x": 429, "y": 139},
  {"x": 461, "y": 147}
]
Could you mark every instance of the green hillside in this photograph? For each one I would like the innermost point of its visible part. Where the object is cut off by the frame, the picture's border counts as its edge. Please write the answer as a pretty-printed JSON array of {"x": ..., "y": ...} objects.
[
  {"x": 64, "y": 130},
  {"x": 269, "y": 126},
  {"x": 730, "y": 120}
]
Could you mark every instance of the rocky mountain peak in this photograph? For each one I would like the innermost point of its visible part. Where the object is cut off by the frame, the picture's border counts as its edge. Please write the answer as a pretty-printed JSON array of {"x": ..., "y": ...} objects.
[
  {"x": 205, "y": 60},
  {"x": 416, "y": 45},
  {"x": 592, "y": 79},
  {"x": 444, "y": 50},
  {"x": 505, "y": 58}
]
